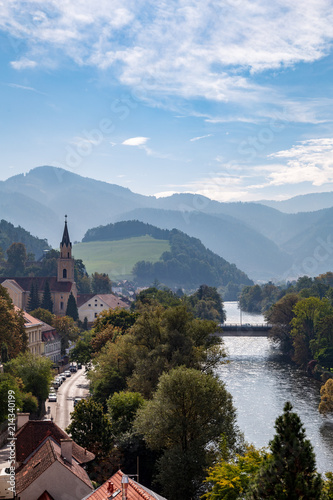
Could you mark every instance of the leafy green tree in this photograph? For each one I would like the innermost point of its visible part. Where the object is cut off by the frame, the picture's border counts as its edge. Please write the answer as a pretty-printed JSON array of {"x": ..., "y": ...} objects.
[
  {"x": 229, "y": 479},
  {"x": 289, "y": 473},
  {"x": 307, "y": 314},
  {"x": 82, "y": 351},
  {"x": 154, "y": 296},
  {"x": 187, "y": 416},
  {"x": 279, "y": 316},
  {"x": 47, "y": 302},
  {"x": 12, "y": 331},
  {"x": 35, "y": 373},
  {"x": 9, "y": 383},
  {"x": 122, "y": 409},
  {"x": 170, "y": 338},
  {"x": 44, "y": 315},
  {"x": 90, "y": 427},
  {"x": 112, "y": 366},
  {"x": 16, "y": 259},
  {"x": 207, "y": 304},
  {"x": 326, "y": 395},
  {"x": 121, "y": 318},
  {"x": 67, "y": 330},
  {"x": 100, "y": 283},
  {"x": 109, "y": 334},
  {"x": 33, "y": 302},
  {"x": 71, "y": 309}
]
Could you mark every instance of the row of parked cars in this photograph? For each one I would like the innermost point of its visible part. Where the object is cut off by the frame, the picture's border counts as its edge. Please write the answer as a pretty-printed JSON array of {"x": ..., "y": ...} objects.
[{"x": 59, "y": 379}]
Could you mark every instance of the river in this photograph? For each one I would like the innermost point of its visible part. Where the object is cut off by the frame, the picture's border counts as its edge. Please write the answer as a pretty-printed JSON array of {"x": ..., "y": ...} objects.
[{"x": 261, "y": 380}]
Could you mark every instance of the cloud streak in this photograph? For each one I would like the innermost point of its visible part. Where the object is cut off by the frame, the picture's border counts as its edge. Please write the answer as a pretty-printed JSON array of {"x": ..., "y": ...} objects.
[{"x": 189, "y": 49}]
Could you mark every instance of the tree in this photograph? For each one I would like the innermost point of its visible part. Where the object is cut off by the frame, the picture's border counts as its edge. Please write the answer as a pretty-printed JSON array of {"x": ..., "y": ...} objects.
[
  {"x": 9, "y": 385},
  {"x": 207, "y": 304},
  {"x": 109, "y": 334},
  {"x": 121, "y": 318},
  {"x": 67, "y": 330},
  {"x": 82, "y": 351},
  {"x": 229, "y": 479},
  {"x": 47, "y": 302},
  {"x": 289, "y": 473},
  {"x": 100, "y": 283},
  {"x": 122, "y": 409},
  {"x": 12, "y": 331},
  {"x": 279, "y": 316},
  {"x": 326, "y": 395},
  {"x": 16, "y": 259},
  {"x": 44, "y": 315},
  {"x": 187, "y": 416},
  {"x": 71, "y": 309},
  {"x": 307, "y": 314},
  {"x": 33, "y": 302},
  {"x": 35, "y": 373},
  {"x": 90, "y": 427}
]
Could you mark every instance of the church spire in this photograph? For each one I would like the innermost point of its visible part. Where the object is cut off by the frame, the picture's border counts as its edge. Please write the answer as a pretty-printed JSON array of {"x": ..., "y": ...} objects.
[{"x": 65, "y": 237}]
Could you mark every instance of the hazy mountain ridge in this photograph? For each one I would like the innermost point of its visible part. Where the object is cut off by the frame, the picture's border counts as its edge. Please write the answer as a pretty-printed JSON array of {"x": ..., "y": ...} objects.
[{"x": 259, "y": 239}]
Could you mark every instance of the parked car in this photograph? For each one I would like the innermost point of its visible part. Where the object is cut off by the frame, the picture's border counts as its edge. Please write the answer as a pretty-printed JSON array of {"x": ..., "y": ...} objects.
[
  {"x": 52, "y": 397},
  {"x": 76, "y": 400},
  {"x": 73, "y": 368},
  {"x": 79, "y": 366},
  {"x": 62, "y": 377},
  {"x": 67, "y": 373}
]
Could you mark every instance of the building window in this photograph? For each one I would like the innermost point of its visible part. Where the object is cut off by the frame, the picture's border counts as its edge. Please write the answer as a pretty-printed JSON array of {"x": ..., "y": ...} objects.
[
  {"x": 61, "y": 305},
  {"x": 101, "y": 305},
  {"x": 95, "y": 315},
  {"x": 64, "y": 273},
  {"x": 89, "y": 305},
  {"x": 67, "y": 255},
  {"x": 96, "y": 305}
]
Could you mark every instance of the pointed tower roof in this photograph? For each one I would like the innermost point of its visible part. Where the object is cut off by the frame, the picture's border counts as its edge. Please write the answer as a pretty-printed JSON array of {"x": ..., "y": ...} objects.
[{"x": 65, "y": 237}]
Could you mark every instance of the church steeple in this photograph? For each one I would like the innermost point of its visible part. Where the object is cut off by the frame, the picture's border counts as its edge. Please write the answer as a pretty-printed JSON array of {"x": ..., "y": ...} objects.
[
  {"x": 66, "y": 262},
  {"x": 65, "y": 237}
]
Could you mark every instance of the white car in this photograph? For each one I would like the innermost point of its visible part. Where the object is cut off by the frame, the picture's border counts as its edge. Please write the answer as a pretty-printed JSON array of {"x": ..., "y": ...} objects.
[
  {"x": 67, "y": 373},
  {"x": 52, "y": 397}
]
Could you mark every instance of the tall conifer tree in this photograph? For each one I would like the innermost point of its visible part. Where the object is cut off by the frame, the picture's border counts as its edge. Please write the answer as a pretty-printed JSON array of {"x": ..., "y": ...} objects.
[
  {"x": 47, "y": 302},
  {"x": 71, "y": 309},
  {"x": 33, "y": 302},
  {"x": 289, "y": 473}
]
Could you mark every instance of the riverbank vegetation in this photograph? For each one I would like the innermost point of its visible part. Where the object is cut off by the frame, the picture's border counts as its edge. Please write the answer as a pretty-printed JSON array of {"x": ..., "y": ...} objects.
[{"x": 158, "y": 360}]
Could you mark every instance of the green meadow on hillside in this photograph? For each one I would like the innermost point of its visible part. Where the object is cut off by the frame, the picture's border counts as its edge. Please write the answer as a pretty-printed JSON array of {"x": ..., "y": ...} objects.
[{"x": 117, "y": 258}]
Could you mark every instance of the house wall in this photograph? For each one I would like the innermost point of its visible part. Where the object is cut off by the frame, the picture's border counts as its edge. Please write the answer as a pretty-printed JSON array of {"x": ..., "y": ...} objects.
[
  {"x": 60, "y": 484},
  {"x": 15, "y": 293},
  {"x": 35, "y": 344},
  {"x": 91, "y": 309}
]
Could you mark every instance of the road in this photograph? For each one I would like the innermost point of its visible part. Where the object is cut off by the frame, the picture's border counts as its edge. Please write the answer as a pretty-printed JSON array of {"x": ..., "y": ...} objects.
[{"x": 74, "y": 386}]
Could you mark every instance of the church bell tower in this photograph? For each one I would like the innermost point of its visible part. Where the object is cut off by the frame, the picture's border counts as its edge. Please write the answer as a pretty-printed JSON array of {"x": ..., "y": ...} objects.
[{"x": 66, "y": 262}]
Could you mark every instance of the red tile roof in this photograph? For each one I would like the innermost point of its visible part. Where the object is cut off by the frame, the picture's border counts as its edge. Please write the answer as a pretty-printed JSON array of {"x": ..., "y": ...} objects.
[
  {"x": 47, "y": 454},
  {"x": 45, "y": 496},
  {"x": 33, "y": 433},
  {"x": 55, "y": 285},
  {"x": 135, "y": 490}
]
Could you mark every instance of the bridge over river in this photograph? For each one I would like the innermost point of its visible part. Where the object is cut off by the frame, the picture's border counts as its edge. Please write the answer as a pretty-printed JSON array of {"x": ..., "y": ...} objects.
[{"x": 245, "y": 330}]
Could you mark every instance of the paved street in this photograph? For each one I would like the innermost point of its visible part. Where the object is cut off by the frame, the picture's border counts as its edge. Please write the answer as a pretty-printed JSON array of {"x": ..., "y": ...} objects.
[{"x": 75, "y": 386}]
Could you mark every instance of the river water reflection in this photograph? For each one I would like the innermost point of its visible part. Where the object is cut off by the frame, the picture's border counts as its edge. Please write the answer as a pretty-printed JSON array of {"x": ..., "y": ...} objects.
[{"x": 261, "y": 380}]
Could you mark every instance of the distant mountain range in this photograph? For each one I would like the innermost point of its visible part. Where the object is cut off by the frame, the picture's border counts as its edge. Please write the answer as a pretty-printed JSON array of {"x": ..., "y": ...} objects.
[{"x": 262, "y": 241}]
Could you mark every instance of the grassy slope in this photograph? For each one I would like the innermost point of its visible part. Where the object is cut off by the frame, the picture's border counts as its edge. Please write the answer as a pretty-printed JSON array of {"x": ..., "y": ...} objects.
[{"x": 117, "y": 258}]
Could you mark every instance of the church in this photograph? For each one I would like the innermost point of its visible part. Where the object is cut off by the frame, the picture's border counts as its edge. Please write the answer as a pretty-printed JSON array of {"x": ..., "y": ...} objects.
[{"x": 61, "y": 286}]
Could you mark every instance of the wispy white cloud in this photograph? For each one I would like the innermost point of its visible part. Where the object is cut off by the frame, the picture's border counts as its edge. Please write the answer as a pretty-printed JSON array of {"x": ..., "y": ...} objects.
[
  {"x": 24, "y": 87},
  {"x": 135, "y": 141},
  {"x": 194, "y": 139},
  {"x": 189, "y": 49},
  {"x": 23, "y": 63},
  {"x": 310, "y": 161}
]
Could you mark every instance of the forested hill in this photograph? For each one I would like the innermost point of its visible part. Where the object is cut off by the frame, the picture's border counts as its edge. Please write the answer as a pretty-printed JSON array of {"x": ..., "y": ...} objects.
[
  {"x": 10, "y": 234},
  {"x": 188, "y": 263},
  {"x": 124, "y": 230}
]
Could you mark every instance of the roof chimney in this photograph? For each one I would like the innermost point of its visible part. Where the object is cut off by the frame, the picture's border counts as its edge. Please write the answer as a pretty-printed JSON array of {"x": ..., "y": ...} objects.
[
  {"x": 66, "y": 449},
  {"x": 22, "y": 418},
  {"x": 124, "y": 486},
  {"x": 110, "y": 487}
]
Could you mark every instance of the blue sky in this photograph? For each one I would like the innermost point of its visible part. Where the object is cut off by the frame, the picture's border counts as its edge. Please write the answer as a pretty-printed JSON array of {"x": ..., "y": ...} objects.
[{"x": 232, "y": 99}]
